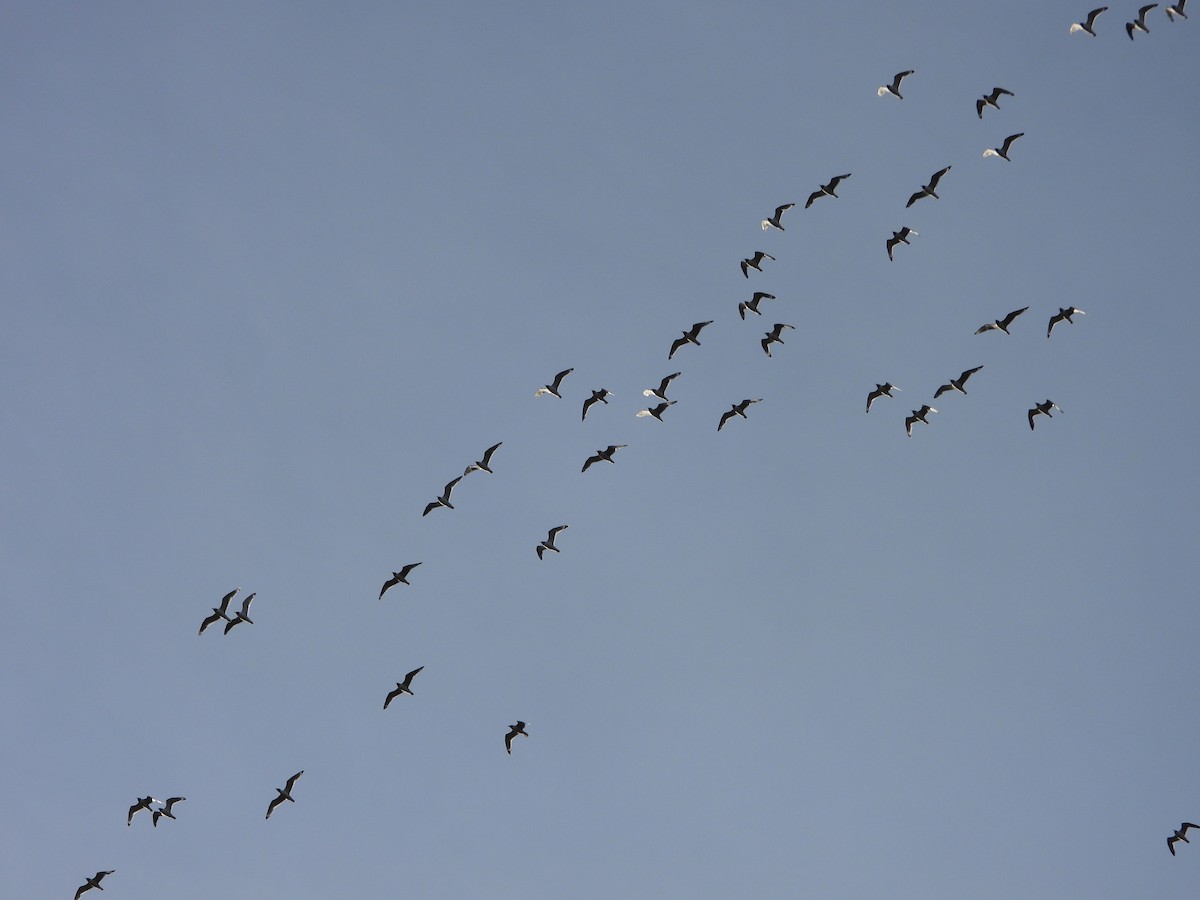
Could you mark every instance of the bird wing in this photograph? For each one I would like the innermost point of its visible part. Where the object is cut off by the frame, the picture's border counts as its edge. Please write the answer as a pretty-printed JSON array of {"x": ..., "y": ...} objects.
[
  {"x": 225, "y": 600},
  {"x": 997, "y": 91},
  {"x": 766, "y": 345},
  {"x": 1008, "y": 142},
  {"x": 937, "y": 176},
  {"x": 835, "y": 181},
  {"x": 291, "y": 781},
  {"x": 725, "y": 418},
  {"x": 1186, "y": 825},
  {"x": 586, "y": 403},
  {"x": 1054, "y": 320},
  {"x": 988, "y": 327},
  {"x": 908, "y": 424},
  {"x": 274, "y": 803},
  {"x": 813, "y": 196},
  {"x": 408, "y": 568},
  {"x": 555, "y": 530},
  {"x": 392, "y": 696},
  {"x": 487, "y": 454},
  {"x": 1008, "y": 320},
  {"x": 450, "y": 487},
  {"x": 1033, "y": 412},
  {"x": 541, "y": 549},
  {"x": 210, "y": 620},
  {"x": 1170, "y": 846},
  {"x": 942, "y": 390},
  {"x": 587, "y": 462},
  {"x": 430, "y": 508},
  {"x": 559, "y": 377},
  {"x": 891, "y": 242},
  {"x": 246, "y": 604},
  {"x": 679, "y": 342},
  {"x": 871, "y": 397},
  {"x": 508, "y": 746},
  {"x": 780, "y": 210},
  {"x": 915, "y": 197},
  {"x": 1094, "y": 14},
  {"x": 171, "y": 801},
  {"x": 409, "y": 677},
  {"x": 979, "y": 105}
]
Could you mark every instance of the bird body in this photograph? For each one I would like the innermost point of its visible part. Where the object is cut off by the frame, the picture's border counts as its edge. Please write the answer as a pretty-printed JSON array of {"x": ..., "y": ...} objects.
[
  {"x": 402, "y": 687},
  {"x": 513, "y": 731},
  {"x": 655, "y": 411},
  {"x": 548, "y": 543},
  {"x": 956, "y": 384},
  {"x": 443, "y": 500},
  {"x": 894, "y": 87},
  {"x": 400, "y": 577},
  {"x": 605, "y": 455},
  {"x": 552, "y": 387},
  {"x": 1002, "y": 150},
  {"x": 1001, "y": 324},
  {"x": 929, "y": 190},
  {"x": 827, "y": 190},
  {"x": 1042, "y": 409},
  {"x": 1087, "y": 24},
  {"x": 661, "y": 391},
  {"x": 600, "y": 396},
  {"x": 1179, "y": 835},
  {"x": 754, "y": 262},
  {"x": 243, "y": 614},
  {"x": 93, "y": 882},
  {"x": 483, "y": 465},
  {"x": 991, "y": 99},
  {"x": 1063, "y": 314},
  {"x": 738, "y": 409},
  {"x": 775, "y": 220},
  {"x": 881, "y": 390},
  {"x": 898, "y": 237},
  {"x": 690, "y": 336},
  {"x": 284, "y": 793},
  {"x": 773, "y": 336},
  {"x": 918, "y": 415}
]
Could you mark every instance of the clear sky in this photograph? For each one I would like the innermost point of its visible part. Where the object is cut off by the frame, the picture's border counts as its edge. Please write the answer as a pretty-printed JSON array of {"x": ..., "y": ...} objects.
[{"x": 274, "y": 273}]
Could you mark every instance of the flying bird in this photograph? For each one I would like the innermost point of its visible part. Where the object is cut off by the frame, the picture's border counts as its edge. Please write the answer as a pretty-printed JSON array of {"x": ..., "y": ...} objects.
[
  {"x": 929, "y": 190},
  {"x": 751, "y": 305},
  {"x": 400, "y": 577},
  {"x": 548, "y": 543},
  {"x": 605, "y": 455},
  {"x": 94, "y": 882},
  {"x": 219, "y": 612},
  {"x": 143, "y": 803},
  {"x": 1177, "y": 10},
  {"x": 661, "y": 391},
  {"x": 285, "y": 793},
  {"x": 1001, "y": 324},
  {"x": 655, "y": 411},
  {"x": 775, "y": 220},
  {"x": 918, "y": 415},
  {"x": 991, "y": 99},
  {"x": 1086, "y": 24},
  {"x": 1179, "y": 835},
  {"x": 956, "y": 384},
  {"x": 552, "y": 387},
  {"x": 242, "y": 615},
  {"x": 166, "y": 809},
  {"x": 898, "y": 237},
  {"x": 1042, "y": 409},
  {"x": 827, "y": 190},
  {"x": 754, "y": 262},
  {"x": 402, "y": 687},
  {"x": 738, "y": 409},
  {"x": 1063, "y": 314},
  {"x": 1002, "y": 150},
  {"x": 513, "y": 731},
  {"x": 894, "y": 87},
  {"x": 881, "y": 390},
  {"x": 689, "y": 337},
  {"x": 597, "y": 397},
  {"x": 443, "y": 500},
  {"x": 773, "y": 336},
  {"x": 1139, "y": 24},
  {"x": 483, "y": 465}
]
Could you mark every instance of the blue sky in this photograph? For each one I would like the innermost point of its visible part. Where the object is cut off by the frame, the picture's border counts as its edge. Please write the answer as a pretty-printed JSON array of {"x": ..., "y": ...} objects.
[{"x": 275, "y": 273}]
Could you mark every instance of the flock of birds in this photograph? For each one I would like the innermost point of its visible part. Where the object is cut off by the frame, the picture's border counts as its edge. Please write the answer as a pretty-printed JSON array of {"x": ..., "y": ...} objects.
[{"x": 691, "y": 336}]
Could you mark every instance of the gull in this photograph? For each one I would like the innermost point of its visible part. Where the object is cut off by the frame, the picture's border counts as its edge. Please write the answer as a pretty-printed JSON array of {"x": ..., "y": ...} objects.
[
  {"x": 1086, "y": 24},
  {"x": 656, "y": 411},
  {"x": 600, "y": 396},
  {"x": 552, "y": 387},
  {"x": 1001, "y": 324},
  {"x": 285, "y": 793},
  {"x": 513, "y": 731},
  {"x": 827, "y": 190},
  {"x": 1063, "y": 314},
  {"x": 143, "y": 803},
  {"x": 918, "y": 415},
  {"x": 1139, "y": 24},
  {"x": 738, "y": 409},
  {"x": 482, "y": 465},
  {"x": 773, "y": 336},
  {"x": 689, "y": 337},
  {"x": 400, "y": 577},
  {"x": 898, "y": 237},
  {"x": 402, "y": 687},
  {"x": 991, "y": 99},
  {"x": 1179, "y": 835},
  {"x": 751, "y": 305},
  {"x": 94, "y": 882},
  {"x": 166, "y": 810},
  {"x": 242, "y": 615},
  {"x": 606, "y": 455},
  {"x": 956, "y": 384},
  {"x": 929, "y": 190},
  {"x": 548, "y": 543},
  {"x": 754, "y": 262},
  {"x": 661, "y": 391},
  {"x": 443, "y": 500},
  {"x": 1042, "y": 409},
  {"x": 894, "y": 87},
  {"x": 881, "y": 390},
  {"x": 1177, "y": 10},
  {"x": 774, "y": 221},
  {"x": 219, "y": 612},
  {"x": 1002, "y": 150}
]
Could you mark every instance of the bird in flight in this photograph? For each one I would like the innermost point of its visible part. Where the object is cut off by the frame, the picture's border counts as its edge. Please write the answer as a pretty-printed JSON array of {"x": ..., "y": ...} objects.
[
  {"x": 1042, "y": 409},
  {"x": 242, "y": 615},
  {"x": 956, "y": 384},
  {"x": 655, "y": 411},
  {"x": 548, "y": 543},
  {"x": 1001, "y": 324},
  {"x": 1086, "y": 24},
  {"x": 661, "y": 391},
  {"x": 773, "y": 336},
  {"x": 402, "y": 687},
  {"x": 443, "y": 500},
  {"x": 881, "y": 390},
  {"x": 1179, "y": 835},
  {"x": 1063, "y": 314},
  {"x": 599, "y": 396},
  {"x": 143, "y": 803},
  {"x": 605, "y": 455},
  {"x": 894, "y": 87},
  {"x": 400, "y": 577},
  {"x": 898, "y": 237},
  {"x": 552, "y": 387},
  {"x": 751, "y": 305},
  {"x": 166, "y": 810},
  {"x": 689, "y": 337},
  {"x": 1139, "y": 24},
  {"x": 1002, "y": 150},
  {"x": 775, "y": 220},
  {"x": 738, "y": 409},
  {"x": 483, "y": 465},
  {"x": 1177, "y": 10},
  {"x": 285, "y": 793},
  {"x": 826, "y": 190},
  {"x": 754, "y": 262},
  {"x": 219, "y": 612},
  {"x": 991, "y": 99},
  {"x": 513, "y": 731},
  {"x": 929, "y": 190},
  {"x": 918, "y": 415},
  {"x": 93, "y": 882}
]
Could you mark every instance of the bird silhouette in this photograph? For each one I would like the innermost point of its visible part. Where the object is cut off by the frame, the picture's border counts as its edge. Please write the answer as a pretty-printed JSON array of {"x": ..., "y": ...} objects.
[
  {"x": 166, "y": 810},
  {"x": 956, "y": 384},
  {"x": 894, "y": 87},
  {"x": 242, "y": 615},
  {"x": 754, "y": 262},
  {"x": 400, "y": 577},
  {"x": 285, "y": 793},
  {"x": 599, "y": 396},
  {"x": 219, "y": 612},
  {"x": 775, "y": 220},
  {"x": 881, "y": 390},
  {"x": 826, "y": 190},
  {"x": 773, "y": 336},
  {"x": 929, "y": 190},
  {"x": 513, "y": 731},
  {"x": 737, "y": 409},
  {"x": 898, "y": 237},
  {"x": 1179, "y": 835},
  {"x": 93, "y": 882},
  {"x": 689, "y": 337},
  {"x": 1001, "y": 324},
  {"x": 548, "y": 543},
  {"x": 443, "y": 500},
  {"x": 918, "y": 415},
  {"x": 552, "y": 387},
  {"x": 1002, "y": 150},
  {"x": 402, "y": 687},
  {"x": 1063, "y": 314},
  {"x": 1087, "y": 24},
  {"x": 605, "y": 455},
  {"x": 991, "y": 99},
  {"x": 483, "y": 465}
]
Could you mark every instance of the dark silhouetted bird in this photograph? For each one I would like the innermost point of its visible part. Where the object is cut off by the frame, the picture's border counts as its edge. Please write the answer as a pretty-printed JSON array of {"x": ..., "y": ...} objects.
[
  {"x": 1063, "y": 314},
  {"x": 400, "y": 577},
  {"x": 1179, "y": 835},
  {"x": 689, "y": 337},
  {"x": 738, "y": 409},
  {"x": 655, "y": 411},
  {"x": 93, "y": 882},
  {"x": 1087, "y": 24},
  {"x": 443, "y": 500},
  {"x": 219, "y": 612},
  {"x": 1001, "y": 324},
  {"x": 1042, "y": 409},
  {"x": 599, "y": 396},
  {"x": 548, "y": 543},
  {"x": 166, "y": 810},
  {"x": 661, "y": 391},
  {"x": 552, "y": 387},
  {"x": 1139, "y": 24},
  {"x": 956, "y": 384},
  {"x": 513, "y": 731},
  {"x": 773, "y": 336},
  {"x": 1177, "y": 10},
  {"x": 881, "y": 390},
  {"x": 826, "y": 190},
  {"x": 285, "y": 793},
  {"x": 918, "y": 415},
  {"x": 754, "y": 262},
  {"x": 143, "y": 803},
  {"x": 776, "y": 220},
  {"x": 1002, "y": 150},
  {"x": 242, "y": 615},
  {"x": 605, "y": 455},
  {"x": 991, "y": 99},
  {"x": 898, "y": 237},
  {"x": 483, "y": 465},
  {"x": 894, "y": 87},
  {"x": 402, "y": 687},
  {"x": 929, "y": 190},
  {"x": 751, "y": 305}
]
